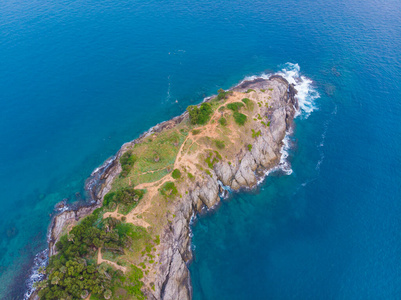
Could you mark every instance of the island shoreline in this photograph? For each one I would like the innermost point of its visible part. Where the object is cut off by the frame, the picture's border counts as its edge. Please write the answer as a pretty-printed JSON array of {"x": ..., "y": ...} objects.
[{"x": 99, "y": 182}]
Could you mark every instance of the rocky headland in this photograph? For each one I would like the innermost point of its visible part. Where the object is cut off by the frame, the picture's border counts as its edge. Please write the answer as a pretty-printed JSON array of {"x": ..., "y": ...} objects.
[{"x": 199, "y": 163}]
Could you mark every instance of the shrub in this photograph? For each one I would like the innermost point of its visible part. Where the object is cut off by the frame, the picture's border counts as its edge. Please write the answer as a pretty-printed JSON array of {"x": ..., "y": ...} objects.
[
  {"x": 168, "y": 189},
  {"x": 134, "y": 288},
  {"x": 212, "y": 158},
  {"x": 190, "y": 176},
  {"x": 250, "y": 90},
  {"x": 222, "y": 94},
  {"x": 200, "y": 115},
  {"x": 196, "y": 131},
  {"x": 176, "y": 174},
  {"x": 270, "y": 89},
  {"x": 223, "y": 121},
  {"x": 126, "y": 197},
  {"x": 127, "y": 161},
  {"x": 262, "y": 90},
  {"x": 249, "y": 147},
  {"x": 248, "y": 102},
  {"x": 222, "y": 108},
  {"x": 235, "y": 106},
  {"x": 239, "y": 118},
  {"x": 256, "y": 134},
  {"x": 219, "y": 144}
]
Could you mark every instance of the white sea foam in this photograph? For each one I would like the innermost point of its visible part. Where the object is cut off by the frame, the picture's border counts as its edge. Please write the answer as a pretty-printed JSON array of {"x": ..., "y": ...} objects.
[
  {"x": 40, "y": 260},
  {"x": 284, "y": 165},
  {"x": 307, "y": 94}
]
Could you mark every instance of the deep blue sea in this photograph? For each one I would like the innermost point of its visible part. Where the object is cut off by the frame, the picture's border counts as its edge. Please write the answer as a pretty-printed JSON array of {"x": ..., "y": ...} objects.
[{"x": 80, "y": 78}]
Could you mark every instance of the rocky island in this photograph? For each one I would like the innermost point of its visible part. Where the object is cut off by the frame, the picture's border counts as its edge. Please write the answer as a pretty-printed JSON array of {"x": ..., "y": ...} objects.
[{"x": 134, "y": 241}]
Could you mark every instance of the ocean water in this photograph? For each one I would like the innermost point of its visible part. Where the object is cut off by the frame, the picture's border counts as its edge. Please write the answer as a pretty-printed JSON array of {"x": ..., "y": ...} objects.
[{"x": 79, "y": 78}]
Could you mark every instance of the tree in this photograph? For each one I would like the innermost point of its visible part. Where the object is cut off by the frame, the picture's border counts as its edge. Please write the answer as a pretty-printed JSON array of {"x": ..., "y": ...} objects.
[{"x": 200, "y": 115}]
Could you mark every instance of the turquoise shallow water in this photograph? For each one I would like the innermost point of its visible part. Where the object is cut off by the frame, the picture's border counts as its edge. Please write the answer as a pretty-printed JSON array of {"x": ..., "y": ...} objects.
[{"x": 79, "y": 78}]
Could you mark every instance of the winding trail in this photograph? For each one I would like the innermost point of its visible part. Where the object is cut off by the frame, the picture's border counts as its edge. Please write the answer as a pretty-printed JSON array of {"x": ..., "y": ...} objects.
[
  {"x": 131, "y": 216},
  {"x": 101, "y": 260}
]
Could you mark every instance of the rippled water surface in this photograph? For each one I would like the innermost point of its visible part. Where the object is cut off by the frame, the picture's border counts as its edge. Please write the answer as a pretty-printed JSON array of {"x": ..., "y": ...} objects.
[{"x": 79, "y": 78}]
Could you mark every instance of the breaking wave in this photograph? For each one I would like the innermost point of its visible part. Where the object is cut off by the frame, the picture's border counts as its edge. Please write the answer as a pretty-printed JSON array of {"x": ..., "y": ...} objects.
[{"x": 306, "y": 96}]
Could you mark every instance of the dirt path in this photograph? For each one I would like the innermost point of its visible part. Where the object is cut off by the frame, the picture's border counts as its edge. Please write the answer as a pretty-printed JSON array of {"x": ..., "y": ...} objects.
[
  {"x": 101, "y": 260},
  {"x": 132, "y": 215},
  {"x": 183, "y": 158},
  {"x": 207, "y": 130},
  {"x": 152, "y": 171}
]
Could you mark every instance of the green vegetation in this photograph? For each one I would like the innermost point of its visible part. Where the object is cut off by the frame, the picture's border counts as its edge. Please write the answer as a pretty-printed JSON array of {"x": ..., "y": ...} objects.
[
  {"x": 270, "y": 89},
  {"x": 222, "y": 108},
  {"x": 249, "y": 103},
  {"x": 176, "y": 174},
  {"x": 223, "y": 121},
  {"x": 126, "y": 198},
  {"x": 246, "y": 100},
  {"x": 127, "y": 161},
  {"x": 222, "y": 94},
  {"x": 239, "y": 118},
  {"x": 200, "y": 115},
  {"x": 196, "y": 131},
  {"x": 212, "y": 158},
  {"x": 249, "y": 147},
  {"x": 262, "y": 90},
  {"x": 235, "y": 106},
  {"x": 155, "y": 159},
  {"x": 256, "y": 134},
  {"x": 219, "y": 144},
  {"x": 250, "y": 90},
  {"x": 190, "y": 176},
  {"x": 133, "y": 283},
  {"x": 168, "y": 189},
  {"x": 73, "y": 273}
]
